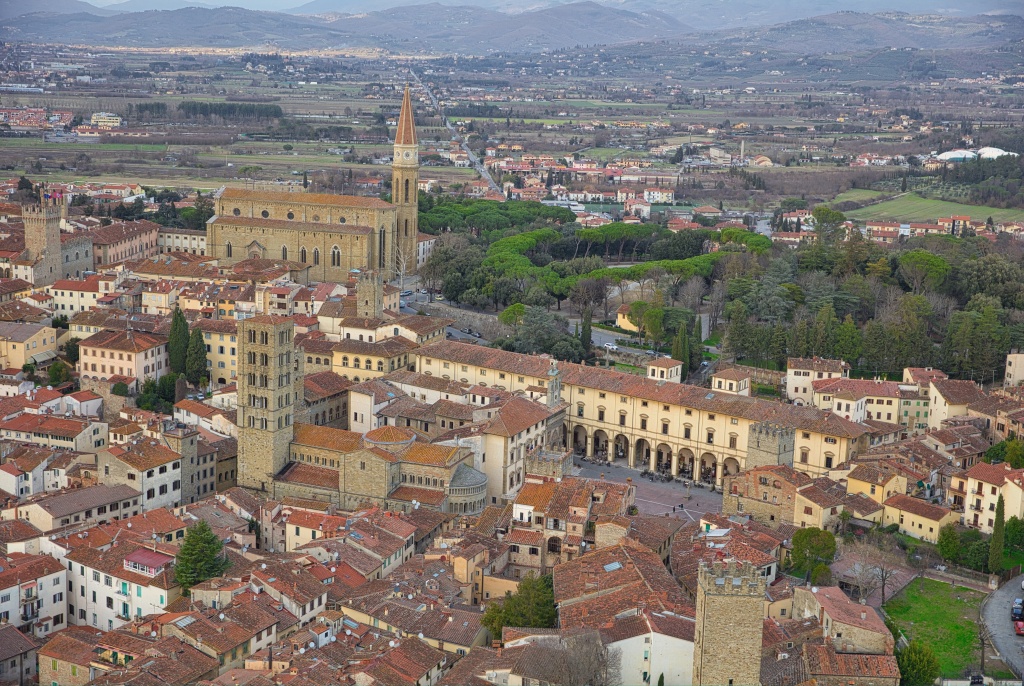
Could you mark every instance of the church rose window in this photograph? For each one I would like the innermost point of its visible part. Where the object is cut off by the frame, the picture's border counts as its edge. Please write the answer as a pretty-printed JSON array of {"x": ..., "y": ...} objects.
[
  {"x": 291, "y": 215},
  {"x": 264, "y": 214},
  {"x": 236, "y": 211},
  {"x": 341, "y": 220}
]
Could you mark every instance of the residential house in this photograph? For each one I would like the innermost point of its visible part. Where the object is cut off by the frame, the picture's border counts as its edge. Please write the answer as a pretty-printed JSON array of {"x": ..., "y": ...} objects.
[
  {"x": 109, "y": 588},
  {"x": 917, "y": 518},
  {"x": 132, "y": 354},
  {"x": 848, "y": 625},
  {"x": 92, "y": 505},
  {"x": 32, "y": 594},
  {"x": 22, "y": 344},
  {"x": 17, "y": 656},
  {"x": 801, "y": 373}
]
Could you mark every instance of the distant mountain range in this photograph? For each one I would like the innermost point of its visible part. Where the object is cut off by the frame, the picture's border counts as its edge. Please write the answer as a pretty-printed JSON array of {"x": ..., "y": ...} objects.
[
  {"x": 473, "y": 29},
  {"x": 703, "y": 14}
]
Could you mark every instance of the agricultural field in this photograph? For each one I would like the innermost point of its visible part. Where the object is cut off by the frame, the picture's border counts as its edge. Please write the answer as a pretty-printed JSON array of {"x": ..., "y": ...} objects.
[{"x": 912, "y": 207}]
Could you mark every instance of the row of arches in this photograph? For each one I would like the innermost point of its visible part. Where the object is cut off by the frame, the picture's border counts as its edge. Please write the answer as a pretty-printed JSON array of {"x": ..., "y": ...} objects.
[
  {"x": 229, "y": 251},
  {"x": 661, "y": 457}
]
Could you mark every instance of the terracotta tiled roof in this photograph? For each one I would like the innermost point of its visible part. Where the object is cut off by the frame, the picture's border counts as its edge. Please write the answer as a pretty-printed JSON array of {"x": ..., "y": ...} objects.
[
  {"x": 407, "y": 494},
  {"x": 327, "y": 437},
  {"x": 73, "y": 647},
  {"x": 324, "y": 385},
  {"x": 310, "y": 475},
  {"x": 843, "y": 610},
  {"x": 305, "y": 198},
  {"x": 124, "y": 341},
  {"x": 817, "y": 364},
  {"x": 146, "y": 454},
  {"x": 906, "y": 503},
  {"x": 825, "y": 661},
  {"x": 994, "y": 474},
  {"x": 536, "y": 495},
  {"x": 958, "y": 392},
  {"x": 806, "y": 418}
]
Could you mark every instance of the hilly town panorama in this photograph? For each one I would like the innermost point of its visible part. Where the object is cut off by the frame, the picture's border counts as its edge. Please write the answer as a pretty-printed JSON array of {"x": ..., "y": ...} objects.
[{"x": 479, "y": 343}]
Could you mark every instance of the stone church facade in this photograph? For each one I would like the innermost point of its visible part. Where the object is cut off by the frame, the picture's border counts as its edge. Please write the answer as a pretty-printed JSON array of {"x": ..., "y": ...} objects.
[{"x": 331, "y": 234}]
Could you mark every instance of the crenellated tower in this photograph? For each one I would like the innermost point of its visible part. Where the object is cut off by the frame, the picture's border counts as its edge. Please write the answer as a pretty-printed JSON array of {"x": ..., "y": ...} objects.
[
  {"x": 42, "y": 239},
  {"x": 728, "y": 635},
  {"x": 405, "y": 177}
]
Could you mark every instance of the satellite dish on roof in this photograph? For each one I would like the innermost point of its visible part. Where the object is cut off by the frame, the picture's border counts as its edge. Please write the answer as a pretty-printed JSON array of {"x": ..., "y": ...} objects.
[
  {"x": 221, "y": 616},
  {"x": 312, "y": 645},
  {"x": 263, "y": 566},
  {"x": 348, "y": 632},
  {"x": 391, "y": 644},
  {"x": 302, "y": 651},
  {"x": 153, "y": 634},
  {"x": 53, "y": 537},
  {"x": 333, "y": 639},
  {"x": 420, "y": 635}
]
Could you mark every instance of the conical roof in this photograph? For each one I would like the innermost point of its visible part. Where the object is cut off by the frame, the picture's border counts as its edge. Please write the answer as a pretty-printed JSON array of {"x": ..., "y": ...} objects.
[{"x": 406, "y": 133}]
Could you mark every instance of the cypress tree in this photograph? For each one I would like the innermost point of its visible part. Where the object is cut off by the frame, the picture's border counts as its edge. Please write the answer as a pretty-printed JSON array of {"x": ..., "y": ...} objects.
[
  {"x": 177, "y": 342},
  {"x": 586, "y": 335},
  {"x": 696, "y": 344},
  {"x": 998, "y": 540},
  {"x": 199, "y": 557},
  {"x": 195, "y": 359}
]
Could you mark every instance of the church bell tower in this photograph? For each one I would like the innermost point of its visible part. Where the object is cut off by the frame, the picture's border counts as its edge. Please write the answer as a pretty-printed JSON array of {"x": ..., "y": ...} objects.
[{"x": 405, "y": 175}]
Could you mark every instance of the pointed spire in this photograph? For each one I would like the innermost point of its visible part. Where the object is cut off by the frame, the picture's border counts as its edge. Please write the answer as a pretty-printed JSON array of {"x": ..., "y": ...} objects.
[{"x": 406, "y": 132}]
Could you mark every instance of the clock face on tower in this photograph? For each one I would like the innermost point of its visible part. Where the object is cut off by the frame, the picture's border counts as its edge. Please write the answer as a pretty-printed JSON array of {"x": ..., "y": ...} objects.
[{"x": 408, "y": 154}]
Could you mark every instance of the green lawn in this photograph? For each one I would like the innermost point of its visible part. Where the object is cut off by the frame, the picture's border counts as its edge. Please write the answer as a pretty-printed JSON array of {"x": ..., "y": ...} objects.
[
  {"x": 857, "y": 195},
  {"x": 943, "y": 617},
  {"x": 913, "y": 207}
]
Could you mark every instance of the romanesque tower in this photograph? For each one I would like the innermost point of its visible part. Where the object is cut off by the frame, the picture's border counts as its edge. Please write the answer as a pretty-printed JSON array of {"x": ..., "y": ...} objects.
[
  {"x": 270, "y": 377},
  {"x": 405, "y": 176},
  {"x": 769, "y": 444},
  {"x": 730, "y": 611},
  {"x": 42, "y": 239},
  {"x": 370, "y": 295}
]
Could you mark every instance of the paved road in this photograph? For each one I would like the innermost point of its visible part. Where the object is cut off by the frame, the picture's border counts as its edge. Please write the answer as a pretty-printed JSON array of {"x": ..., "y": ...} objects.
[
  {"x": 474, "y": 160},
  {"x": 996, "y": 615},
  {"x": 657, "y": 497}
]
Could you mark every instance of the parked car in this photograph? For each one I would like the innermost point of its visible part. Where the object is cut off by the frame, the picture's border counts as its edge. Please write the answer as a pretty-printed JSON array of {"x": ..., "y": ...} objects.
[
  {"x": 652, "y": 353},
  {"x": 611, "y": 346},
  {"x": 466, "y": 330},
  {"x": 423, "y": 291},
  {"x": 1017, "y": 611},
  {"x": 438, "y": 297},
  {"x": 1018, "y": 628},
  {"x": 405, "y": 294},
  {"x": 475, "y": 334}
]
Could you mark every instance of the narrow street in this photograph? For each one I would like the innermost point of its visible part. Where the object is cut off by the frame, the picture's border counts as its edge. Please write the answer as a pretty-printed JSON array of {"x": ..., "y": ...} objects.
[
  {"x": 477, "y": 164},
  {"x": 996, "y": 615}
]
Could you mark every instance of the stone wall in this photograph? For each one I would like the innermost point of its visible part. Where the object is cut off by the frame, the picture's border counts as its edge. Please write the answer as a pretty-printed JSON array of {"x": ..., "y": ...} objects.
[
  {"x": 112, "y": 404},
  {"x": 486, "y": 324}
]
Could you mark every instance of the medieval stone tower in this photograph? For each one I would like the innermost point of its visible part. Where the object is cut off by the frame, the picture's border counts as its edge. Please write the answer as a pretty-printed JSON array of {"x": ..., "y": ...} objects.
[
  {"x": 405, "y": 176},
  {"x": 42, "y": 239},
  {"x": 769, "y": 444},
  {"x": 370, "y": 295},
  {"x": 730, "y": 611},
  {"x": 270, "y": 377}
]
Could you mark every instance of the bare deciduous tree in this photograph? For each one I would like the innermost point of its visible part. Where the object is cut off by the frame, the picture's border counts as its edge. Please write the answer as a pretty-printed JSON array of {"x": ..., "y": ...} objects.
[
  {"x": 587, "y": 662},
  {"x": 716, "y": 304},
  {"x": 693, "y": 292}
]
